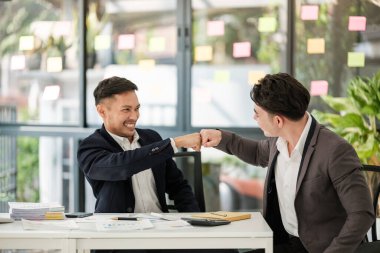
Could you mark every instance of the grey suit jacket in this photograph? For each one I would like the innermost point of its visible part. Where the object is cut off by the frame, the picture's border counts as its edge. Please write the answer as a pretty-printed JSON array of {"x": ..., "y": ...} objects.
[{"x": 333, "y": 203}]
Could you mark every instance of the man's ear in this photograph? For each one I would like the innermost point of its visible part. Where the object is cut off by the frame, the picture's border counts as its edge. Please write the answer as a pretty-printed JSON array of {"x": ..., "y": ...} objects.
[
  {"x": 279, "y": 120},
  {"x": 101, "y": 110}
]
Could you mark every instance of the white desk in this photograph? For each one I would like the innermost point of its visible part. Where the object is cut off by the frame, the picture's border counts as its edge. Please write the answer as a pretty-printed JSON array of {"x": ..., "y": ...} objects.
[{"x": 245, "y": 234}]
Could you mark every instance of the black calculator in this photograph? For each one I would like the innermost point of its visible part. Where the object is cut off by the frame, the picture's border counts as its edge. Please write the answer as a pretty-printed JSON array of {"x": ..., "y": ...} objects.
[{"x": 206, "y": 222}]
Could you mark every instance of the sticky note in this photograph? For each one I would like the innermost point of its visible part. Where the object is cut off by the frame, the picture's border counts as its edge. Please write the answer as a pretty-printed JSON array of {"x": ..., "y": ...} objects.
[
  {"x": 222, "y": 76},
  {"x": 316, "y": 46},
  {"x": 309, "y": 12},
  {"x": 203, "y": 53},
  {"x": 157, "y": 44},
  {"x": 26, "y": 43},
  {"x": 215, "y": 28},
  {"x": 255, "y": 76},
  {"x": 54, "y": 64},
  {"x": 126, "y": 41},
  {"x": 241, "y": 49},
  {"x": 319, "y": 88},
  {"x": 357, "y": 23},
  {"x": 102, "y": 42},
  {"x": 18, "y": 62},
  {"x": 147, "y": 63},
  {"x": 355, "y": 59},
  {"x": 51, "y": 92},
  {"x": 267, "y": 24}
]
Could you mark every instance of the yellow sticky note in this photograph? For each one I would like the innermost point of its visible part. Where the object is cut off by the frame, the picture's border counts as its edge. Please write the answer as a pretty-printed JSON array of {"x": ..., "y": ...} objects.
[
  {"x": 316, "y": 46},
  {"x": 26, "y": 43},
  {"x": 255, "y": 76},
  {"x": 54, "y": 64},
  {"x": 267, "y": 24},
  {"x": 222, "y": 76},
  {"x": 203, "y": 53},
  {"x": 355, "y": 59},
  {"x": 102, "y": 42},
  {"x": 147, "y": 63},
  {"x": 157, "y": 44}
]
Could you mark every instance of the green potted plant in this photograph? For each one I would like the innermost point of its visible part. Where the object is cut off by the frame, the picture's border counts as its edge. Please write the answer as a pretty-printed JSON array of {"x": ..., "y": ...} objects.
[{"x": 356, "y": 118}]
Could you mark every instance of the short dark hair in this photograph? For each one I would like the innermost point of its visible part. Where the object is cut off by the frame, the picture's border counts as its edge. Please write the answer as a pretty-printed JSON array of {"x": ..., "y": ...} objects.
[
  {"x": 111, "y": 86},
  {"x": 281, "y": 94}
]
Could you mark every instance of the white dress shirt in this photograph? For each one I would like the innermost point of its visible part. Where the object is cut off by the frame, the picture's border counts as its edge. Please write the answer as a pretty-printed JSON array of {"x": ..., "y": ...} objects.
[
  {"x": 286, "y": 172},
  {"x": 143, "y": 183}
]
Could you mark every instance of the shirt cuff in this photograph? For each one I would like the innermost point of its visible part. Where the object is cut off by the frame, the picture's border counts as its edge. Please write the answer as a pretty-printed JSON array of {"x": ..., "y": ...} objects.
[{"x": 173, "y": 145}]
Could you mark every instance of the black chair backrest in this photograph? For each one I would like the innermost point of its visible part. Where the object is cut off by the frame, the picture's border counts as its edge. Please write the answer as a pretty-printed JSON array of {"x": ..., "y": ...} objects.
[
  {"x": 376, "y": 192},
  {"x": 196, "y": 176}
]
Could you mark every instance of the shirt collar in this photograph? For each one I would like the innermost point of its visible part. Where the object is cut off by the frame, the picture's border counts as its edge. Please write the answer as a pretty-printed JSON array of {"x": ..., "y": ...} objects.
[
  {"x": 121, "y": 140},
  {"x": 282, "y": 144}
]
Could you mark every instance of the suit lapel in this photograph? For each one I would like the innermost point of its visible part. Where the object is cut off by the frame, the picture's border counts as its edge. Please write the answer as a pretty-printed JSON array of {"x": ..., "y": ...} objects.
[{"x": 307, "y": 152}]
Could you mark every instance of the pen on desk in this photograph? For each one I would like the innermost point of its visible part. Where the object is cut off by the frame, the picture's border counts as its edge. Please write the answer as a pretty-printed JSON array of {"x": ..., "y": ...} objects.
[{"x": 124, "y": 218}]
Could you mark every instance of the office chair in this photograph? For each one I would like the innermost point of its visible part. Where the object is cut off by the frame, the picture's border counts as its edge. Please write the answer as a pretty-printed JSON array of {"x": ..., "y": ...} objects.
[
  {"x": 193, "y": 175},
  {"x": 372, "y": 246}
]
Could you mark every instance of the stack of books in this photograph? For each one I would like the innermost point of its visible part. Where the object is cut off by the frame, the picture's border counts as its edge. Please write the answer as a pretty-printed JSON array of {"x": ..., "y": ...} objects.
[{"x": 36, "y": 211}]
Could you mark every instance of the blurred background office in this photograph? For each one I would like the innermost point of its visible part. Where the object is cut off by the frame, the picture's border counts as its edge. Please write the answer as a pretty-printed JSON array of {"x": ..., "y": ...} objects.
[{"x": 194, "y": 62}]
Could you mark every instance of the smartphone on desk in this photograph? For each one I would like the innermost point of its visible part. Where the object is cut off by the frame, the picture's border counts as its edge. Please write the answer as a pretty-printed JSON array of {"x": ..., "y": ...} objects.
[
  {"x": 77, "y": 215},
  {"x": 206, "y": 222}
]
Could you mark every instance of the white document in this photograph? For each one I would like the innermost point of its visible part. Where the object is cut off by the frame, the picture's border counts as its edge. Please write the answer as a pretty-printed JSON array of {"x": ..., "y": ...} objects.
[
  {"x": 172, "y": 225},
  {"x": 49, "y": 225},
  {"x": 123, "y": 225}
]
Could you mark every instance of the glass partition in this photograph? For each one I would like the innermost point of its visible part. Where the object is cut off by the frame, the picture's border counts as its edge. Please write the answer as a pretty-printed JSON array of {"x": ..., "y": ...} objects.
[
  {"x": 135, "y": 39},
  {"x": 39, "y": 77}
]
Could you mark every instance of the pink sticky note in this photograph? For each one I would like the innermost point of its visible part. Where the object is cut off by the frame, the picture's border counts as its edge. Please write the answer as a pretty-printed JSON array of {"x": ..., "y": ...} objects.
[
  {"x": 215, "y": 28},
  {"x": 241, "y": 49},
  {"x": 319, "y": 88},
  {"x": 309, "y": 12},
  {"x": 357, "y": 23},
  {"x": 126, "y": 41}
]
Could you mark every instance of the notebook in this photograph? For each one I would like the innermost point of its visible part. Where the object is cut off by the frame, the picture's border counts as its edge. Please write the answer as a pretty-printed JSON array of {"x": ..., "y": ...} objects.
[{"x": 221, "y": 215}]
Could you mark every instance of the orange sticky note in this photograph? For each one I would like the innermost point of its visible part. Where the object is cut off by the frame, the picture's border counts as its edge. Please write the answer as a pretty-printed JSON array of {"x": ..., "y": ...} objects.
[
  {"x": 319, "y": 88},
  {"x": 255, "y": 76},
  {"x": 357, "y": 23},
  {"x": 215, "y": 28},
  {"x": 147, "y": 63},
  {"x": 126, "y": 41},
  {"x": 309, "y": 12},
  {"x": 203, "y": 53},
  {"x": 355, "y": 59},
  {"x": 316, "y": 46},
  {"x": 241, "y": 49}
]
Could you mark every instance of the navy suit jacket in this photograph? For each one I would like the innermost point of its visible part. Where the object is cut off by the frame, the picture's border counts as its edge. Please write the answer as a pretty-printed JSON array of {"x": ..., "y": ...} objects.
[{"x": 109, "y": 171}]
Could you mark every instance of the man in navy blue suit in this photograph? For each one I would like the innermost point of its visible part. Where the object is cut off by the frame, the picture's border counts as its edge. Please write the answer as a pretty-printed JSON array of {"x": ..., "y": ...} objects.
[{"x": 131, "y": 169}]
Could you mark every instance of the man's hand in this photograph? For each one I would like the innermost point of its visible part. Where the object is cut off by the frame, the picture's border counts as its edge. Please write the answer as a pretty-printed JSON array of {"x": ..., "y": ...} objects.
[
  {"x": 210, "y": 137},
  {"x": 189, "y": 141}
]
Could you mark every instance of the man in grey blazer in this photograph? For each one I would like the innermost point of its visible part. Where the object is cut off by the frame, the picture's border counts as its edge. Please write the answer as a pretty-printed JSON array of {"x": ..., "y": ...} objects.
[{"x": 315, "y": 197}]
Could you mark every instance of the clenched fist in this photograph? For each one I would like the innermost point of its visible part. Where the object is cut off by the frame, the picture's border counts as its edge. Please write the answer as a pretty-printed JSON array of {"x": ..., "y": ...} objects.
[
  {"x": 189, "y": 141},
  {"x": 210, "y": 137}
]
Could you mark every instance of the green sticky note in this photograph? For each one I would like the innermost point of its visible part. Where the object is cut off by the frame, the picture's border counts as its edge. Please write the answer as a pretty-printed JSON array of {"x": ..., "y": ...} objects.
[
  {"x": 157, "y": 44},
  {"x": 267, "y": 24},
  {"x": 102, "y": 42},
  {"x": 221, "y": 76},
  {"x": 355, "y": 59}
]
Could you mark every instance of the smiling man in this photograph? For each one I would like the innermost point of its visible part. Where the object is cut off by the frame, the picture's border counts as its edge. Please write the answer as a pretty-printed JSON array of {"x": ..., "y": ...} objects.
[{"x": 131, "y": 169}]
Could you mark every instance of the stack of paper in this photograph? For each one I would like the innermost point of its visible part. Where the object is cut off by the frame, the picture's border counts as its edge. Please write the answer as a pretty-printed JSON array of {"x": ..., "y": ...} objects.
[
  {"x": 221, "y": 215},
  {"x": 34, "y": 211}
]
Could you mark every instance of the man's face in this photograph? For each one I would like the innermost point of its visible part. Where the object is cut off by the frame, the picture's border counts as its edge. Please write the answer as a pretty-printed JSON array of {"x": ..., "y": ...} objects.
[
  {"x": 120, "y": 113},
  {"x": 266, "y": 121}
]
